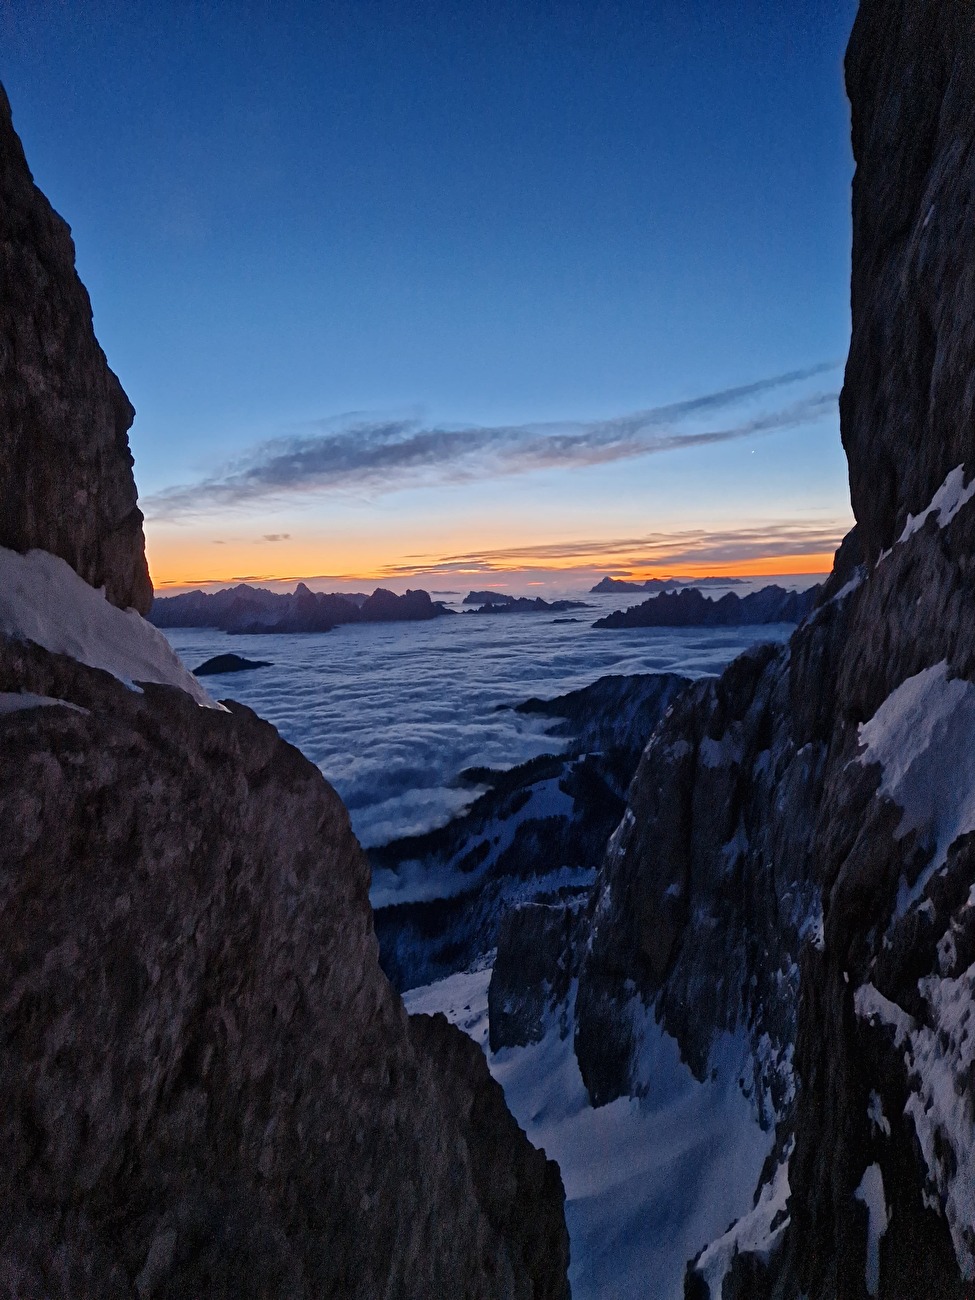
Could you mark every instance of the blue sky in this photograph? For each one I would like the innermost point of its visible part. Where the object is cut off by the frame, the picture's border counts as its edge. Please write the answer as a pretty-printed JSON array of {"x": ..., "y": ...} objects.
[{"x": 308, "y": 219}]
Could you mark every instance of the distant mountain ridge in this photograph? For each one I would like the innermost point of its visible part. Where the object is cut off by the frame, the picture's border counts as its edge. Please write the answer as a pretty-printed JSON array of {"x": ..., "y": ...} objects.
[
  {"x": 608, "y": 584},
  {"x": 244, "y": 609},
  {"x": 497, "y": 602},
  {"x": 690, "y": 608}
]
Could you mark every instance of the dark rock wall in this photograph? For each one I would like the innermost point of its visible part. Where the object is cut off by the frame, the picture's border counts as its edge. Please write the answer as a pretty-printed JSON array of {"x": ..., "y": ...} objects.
[
  {"x": 763, "y": 881},
  {"x": 908, "y": 402},
  {"x": 66, "y": 482},
  {"x": 208, "y": 1085}
]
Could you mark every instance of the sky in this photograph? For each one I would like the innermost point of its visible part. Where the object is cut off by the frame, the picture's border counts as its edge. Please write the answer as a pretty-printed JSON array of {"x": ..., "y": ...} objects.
[{"x": 503, "y": 292}]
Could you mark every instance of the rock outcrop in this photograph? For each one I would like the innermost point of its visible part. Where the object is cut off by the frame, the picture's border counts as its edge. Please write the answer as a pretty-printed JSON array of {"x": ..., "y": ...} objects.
[
  {"x": 66, "y": 482},
  {"x": 209, "y": 1087},
  {"x": 208, "y": 1084}
]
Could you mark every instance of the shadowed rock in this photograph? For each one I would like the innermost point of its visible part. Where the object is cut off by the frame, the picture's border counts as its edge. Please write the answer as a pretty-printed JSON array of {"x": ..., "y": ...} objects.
[
  {"x": 229, "y": 664},
  {"x": 66, "y": 482}
]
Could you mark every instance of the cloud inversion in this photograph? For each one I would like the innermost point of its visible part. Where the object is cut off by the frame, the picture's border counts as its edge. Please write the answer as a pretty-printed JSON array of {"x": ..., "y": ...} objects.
[{"x": 384, "y": 455}]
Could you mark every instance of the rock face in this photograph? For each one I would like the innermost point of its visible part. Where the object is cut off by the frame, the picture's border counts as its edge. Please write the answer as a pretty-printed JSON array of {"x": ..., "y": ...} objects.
[
  {"x": 209, "y": 1087},
  {"x": 66, "y": 482},
  {"x": 908, "y": 402},
  {"x": 796, "y": 869},
  {"x": 799, "y": 782}
]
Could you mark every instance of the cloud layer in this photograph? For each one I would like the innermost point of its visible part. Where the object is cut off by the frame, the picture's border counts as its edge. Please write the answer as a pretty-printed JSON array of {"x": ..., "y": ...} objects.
[
  {"x": 382, "y": 455},
  {"x": 690, "y": 546}
]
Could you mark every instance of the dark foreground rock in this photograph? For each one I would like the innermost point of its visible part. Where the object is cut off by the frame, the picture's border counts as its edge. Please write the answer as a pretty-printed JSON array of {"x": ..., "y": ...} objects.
[
  {"x": 66, "y": 482},
  {"x": 209, "y": 1087},
  {"x": 229, "y": 664}
]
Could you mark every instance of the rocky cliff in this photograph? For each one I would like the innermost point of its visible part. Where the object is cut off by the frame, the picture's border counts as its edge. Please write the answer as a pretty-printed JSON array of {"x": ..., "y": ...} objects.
[
  {"x": 209, "y": 1087},
  {"x": 66, "y": 482},
  {"x": 793, "y": 884}
]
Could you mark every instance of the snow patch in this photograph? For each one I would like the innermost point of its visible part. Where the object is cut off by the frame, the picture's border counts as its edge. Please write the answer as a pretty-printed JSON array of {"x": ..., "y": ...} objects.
[
  {"x": 943, "y": 1058},
  {"x": 43, "y": 600},
  {"x": 648, "y": 1183},
  {"x": 940, "y": 1060},
  {"x": 462, "y": 998},
  {"x": 18, "y": 701},
  {"x": 946, "y": 502},
  {"x": 849, "y": 587},
  {"x": 870, "y": 1004},
  {"x": 756, "y": 1233},
  {"x": 922, "y": 737},
  {"x": 879, "y": 1122},
  {"x": 871, "y": 1194}
]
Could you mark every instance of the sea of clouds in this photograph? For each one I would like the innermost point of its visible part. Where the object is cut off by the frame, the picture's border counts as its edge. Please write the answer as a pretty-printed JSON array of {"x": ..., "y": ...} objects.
[{"x": 392, "y": 713}]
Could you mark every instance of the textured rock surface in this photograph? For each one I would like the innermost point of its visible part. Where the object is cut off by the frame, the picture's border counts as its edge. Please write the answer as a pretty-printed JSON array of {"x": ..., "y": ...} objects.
[
  {"x": 539, "y": 953},
  {"x": 66, "y": 482},
  {"x": 908, "y": 402},
  {"x": 797, "y": 865},
  {"x": 209, "y": 1086}
]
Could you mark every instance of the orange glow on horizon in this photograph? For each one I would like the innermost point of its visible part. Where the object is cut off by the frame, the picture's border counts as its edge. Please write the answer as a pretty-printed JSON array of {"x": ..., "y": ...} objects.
[
  {"x": 225, "y": 574},
  {"x": 763, "y": 567}
]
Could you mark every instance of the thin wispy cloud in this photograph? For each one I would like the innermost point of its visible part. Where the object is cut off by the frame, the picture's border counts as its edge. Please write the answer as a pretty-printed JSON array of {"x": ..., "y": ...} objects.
[
  {"x": 378, "y": 456},
  {"x": 690, "y": 546}
]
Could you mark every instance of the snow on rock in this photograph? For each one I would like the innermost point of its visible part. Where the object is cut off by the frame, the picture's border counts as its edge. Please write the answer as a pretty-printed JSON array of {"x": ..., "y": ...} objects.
[
  {"x": 879, "y": 1122},
  {"x": 940, "y": 1058},
  {"x": 43, "y": 600},
  {"x": 18, "y": 701},
  {"x": 871, "y": 1194},
  {"x": 462, "y": 998},
  {"x": 756, "y": 1233},
  {"x": 922, "y": 737},
  {"x": 850, "y": 586},
  {"x": 870, "y": 1004},
  {"x": 648, "y": 1182},
  {"x": 946, "y": 502},
  {"x": 943, "y": 1057}
]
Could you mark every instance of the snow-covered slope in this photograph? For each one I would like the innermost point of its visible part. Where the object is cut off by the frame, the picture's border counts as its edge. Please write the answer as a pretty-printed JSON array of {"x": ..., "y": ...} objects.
[
  {"x": 43, "y": 600},
  {"x": 648, "y": 1182}
]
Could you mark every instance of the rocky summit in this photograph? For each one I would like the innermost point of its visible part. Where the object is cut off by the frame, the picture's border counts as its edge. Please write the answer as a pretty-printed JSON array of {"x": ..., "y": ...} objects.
[{"x": 209, "y": 1087}]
